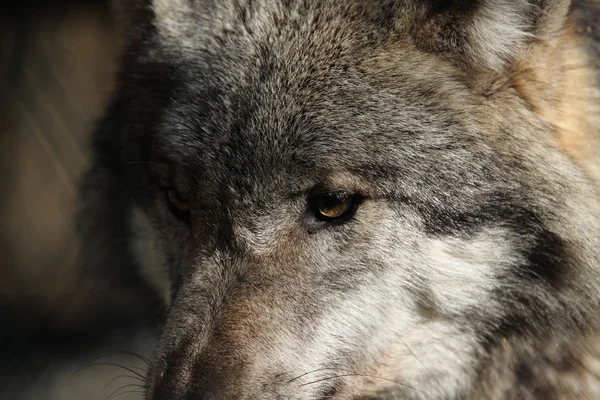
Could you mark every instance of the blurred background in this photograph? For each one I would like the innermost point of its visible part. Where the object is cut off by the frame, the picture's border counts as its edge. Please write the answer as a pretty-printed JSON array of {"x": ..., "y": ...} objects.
[{"x": 57, "y": 64}]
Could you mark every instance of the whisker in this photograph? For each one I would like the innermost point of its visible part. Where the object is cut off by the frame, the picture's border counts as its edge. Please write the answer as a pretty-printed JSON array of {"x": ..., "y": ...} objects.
[
  {"x": 139, "y": 391},
  {"x": 283, "y": 373},
  {"x": 365, "y": 376},
  {"x": 423, "y": 365},
  {"x": 317, "y": 370},
  {"x": 117, "y": 378},
  {"x": 130, "y": 369},
  {"x": 116, "y": 353},
  {"x": 120, "y": 392}
]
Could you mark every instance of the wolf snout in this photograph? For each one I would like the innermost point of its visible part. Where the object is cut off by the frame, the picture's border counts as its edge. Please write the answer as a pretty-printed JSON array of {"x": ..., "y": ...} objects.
[
  {"x": 180, "y": 377},
  {"x": 172, "y": 388},
  {"x": 190, "y": 396},
  {"x": 168, "y": 390}
]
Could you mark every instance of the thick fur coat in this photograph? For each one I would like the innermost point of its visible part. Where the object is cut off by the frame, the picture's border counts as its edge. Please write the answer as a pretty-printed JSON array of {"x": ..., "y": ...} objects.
[{"x": 459, "y": 139}]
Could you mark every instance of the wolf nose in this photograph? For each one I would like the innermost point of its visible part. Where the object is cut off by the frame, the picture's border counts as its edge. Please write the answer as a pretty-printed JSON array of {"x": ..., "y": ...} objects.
[
  {"x": 193, "y": 396},
  {"x": 168, "y": 391},
  {"x": 200, "y": 396},
  {"x": 174, "y": 384}
]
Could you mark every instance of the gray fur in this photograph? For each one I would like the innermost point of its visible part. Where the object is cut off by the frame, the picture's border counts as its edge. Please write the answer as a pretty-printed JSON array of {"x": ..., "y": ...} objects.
[{"x": 474, "y": 253}]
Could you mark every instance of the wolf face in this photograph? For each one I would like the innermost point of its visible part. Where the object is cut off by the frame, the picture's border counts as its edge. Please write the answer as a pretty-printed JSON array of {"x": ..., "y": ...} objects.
[{"x": 345, "y": 199}]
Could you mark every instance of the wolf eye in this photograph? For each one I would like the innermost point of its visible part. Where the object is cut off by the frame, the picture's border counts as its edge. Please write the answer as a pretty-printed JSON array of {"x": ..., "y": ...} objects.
[
  {"x": 334, "y": 206},
  {"x": 178, "y": 206},
  {"x": 177, "y": 202}
]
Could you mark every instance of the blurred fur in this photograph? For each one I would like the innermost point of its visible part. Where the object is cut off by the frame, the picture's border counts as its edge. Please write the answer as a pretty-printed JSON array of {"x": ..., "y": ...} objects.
[{"x": 57, "y": 318}]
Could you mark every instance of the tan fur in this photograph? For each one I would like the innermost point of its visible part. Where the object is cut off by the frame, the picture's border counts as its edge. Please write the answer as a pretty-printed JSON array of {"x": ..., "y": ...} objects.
[
  {"x": 465, "y": 135},
  {"x": 557, "y": 79}
]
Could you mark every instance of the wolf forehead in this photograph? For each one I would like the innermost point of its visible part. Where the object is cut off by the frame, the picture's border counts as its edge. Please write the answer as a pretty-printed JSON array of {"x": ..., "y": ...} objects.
[{"x": 311, "y": 90}]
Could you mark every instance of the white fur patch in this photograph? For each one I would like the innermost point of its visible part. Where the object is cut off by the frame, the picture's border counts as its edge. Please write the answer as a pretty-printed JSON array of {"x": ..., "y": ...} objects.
[
  {"x": 498, "y": 28},
  {"x": 147, "y": 250},
  {"x": 462, "y": 272}
]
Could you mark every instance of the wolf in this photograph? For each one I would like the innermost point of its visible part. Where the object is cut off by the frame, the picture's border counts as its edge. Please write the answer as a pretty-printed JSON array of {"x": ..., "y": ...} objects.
[{"x": 345, "y": 199}]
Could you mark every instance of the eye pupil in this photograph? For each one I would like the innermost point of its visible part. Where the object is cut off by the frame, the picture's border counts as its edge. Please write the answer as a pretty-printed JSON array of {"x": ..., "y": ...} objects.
[
  {"x": 177, "y": 202},
  {"x": 334, "y": 205}
]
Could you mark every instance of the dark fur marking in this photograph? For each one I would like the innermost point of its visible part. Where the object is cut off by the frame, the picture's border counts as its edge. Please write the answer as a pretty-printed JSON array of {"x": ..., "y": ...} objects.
[
  {"x": 545, "y": 272},
  {"x": 548, "y": 260}
]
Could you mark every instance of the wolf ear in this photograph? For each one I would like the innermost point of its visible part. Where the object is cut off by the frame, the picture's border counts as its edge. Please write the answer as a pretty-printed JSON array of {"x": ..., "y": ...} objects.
[{"x": 485, "y": 33}]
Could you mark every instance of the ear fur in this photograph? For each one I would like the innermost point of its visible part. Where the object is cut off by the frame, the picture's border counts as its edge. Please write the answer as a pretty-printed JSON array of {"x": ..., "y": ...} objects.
[
  {"x": 485, "y": 34},
  {"x": 476, "y": 34}
]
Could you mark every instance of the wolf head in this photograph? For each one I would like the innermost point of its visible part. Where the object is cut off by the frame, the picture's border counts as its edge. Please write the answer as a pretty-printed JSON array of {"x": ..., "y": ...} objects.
[{"x": 352, "y": 199}]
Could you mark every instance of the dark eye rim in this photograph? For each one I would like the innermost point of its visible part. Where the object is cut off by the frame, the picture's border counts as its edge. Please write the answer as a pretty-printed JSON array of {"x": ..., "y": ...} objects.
[
  {"x": 181, "y": 213},
  {"x": 355, "y": 200}
]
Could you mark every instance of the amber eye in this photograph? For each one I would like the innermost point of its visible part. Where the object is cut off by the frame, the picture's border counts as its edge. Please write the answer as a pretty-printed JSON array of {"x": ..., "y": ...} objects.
[
  {"x": 177, "y": 202},
  {"x": 334, "y": 206},
  {"x": 178, "y": 206}
]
